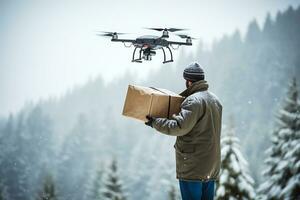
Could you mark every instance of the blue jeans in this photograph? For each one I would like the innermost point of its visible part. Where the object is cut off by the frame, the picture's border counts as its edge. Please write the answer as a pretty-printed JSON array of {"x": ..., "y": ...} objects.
[{"x": 197, "y": 190}]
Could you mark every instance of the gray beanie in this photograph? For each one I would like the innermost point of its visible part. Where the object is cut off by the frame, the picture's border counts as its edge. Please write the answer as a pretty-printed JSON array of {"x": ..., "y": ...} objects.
[{"x": 193, "y": 72}]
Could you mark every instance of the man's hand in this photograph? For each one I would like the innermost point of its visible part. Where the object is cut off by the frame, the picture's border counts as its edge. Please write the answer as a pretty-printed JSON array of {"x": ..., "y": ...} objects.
[{"x": 150, "y": 121}]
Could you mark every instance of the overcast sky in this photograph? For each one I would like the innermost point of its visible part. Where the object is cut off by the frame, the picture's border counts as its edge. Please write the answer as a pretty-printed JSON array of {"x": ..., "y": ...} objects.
[{"x": 49, "y": 46}]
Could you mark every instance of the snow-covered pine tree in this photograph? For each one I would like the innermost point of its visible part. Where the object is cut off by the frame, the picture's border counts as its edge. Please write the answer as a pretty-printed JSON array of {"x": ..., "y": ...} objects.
[
  {"x": 235, "y": 181},
  {"x": 48, "y": 192},
  {"x": 282, "y": 173},
  {"x": 112, "y": 185}
]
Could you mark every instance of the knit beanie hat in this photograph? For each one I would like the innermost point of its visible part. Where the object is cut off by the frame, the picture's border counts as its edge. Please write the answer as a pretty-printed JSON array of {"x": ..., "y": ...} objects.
[{"x": 193, "y": 72}]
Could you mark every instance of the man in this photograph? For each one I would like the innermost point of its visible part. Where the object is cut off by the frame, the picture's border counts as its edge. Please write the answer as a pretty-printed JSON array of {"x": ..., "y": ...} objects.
[{"x": 198, "y": 129}]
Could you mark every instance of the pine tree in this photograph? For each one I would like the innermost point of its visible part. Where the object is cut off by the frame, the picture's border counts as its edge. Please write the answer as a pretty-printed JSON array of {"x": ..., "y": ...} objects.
[
  {"x": 48, "y": 192},
  {"x": 21, "y": 160},
  {"x": 235, "y": 181},
  {"x": 282, "y": 171},
  {"x": 112, "y": 184},
  {"x": 253, "y": 34}
]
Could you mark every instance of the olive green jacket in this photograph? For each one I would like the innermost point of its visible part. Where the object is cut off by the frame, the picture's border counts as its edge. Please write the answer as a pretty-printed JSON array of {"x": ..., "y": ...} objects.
[{"x": 198, "y": 129}]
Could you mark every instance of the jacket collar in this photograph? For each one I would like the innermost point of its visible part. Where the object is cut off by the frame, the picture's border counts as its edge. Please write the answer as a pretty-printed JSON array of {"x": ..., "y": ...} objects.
[{"x": 201, "y": 85}]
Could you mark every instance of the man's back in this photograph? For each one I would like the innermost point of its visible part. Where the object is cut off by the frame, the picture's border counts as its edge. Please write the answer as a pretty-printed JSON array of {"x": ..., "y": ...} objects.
[
  {"x": 198, "y": 130},
  {"x": 199, "y": 150}
]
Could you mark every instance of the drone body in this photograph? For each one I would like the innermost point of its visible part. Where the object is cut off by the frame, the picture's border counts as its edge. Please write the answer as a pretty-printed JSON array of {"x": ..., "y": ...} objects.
[{"x": 148, "y": 44}]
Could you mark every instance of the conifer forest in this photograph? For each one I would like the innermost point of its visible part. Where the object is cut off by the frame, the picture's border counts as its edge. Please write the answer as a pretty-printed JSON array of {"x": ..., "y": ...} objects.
[{"x": 78, "y": 146}]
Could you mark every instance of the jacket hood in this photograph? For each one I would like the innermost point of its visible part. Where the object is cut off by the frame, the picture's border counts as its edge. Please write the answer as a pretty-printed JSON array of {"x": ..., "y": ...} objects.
[{"x": 197, "y": 86}]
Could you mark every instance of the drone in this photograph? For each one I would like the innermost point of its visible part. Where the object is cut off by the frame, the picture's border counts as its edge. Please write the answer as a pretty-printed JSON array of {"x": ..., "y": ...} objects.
[{"x": 148, "y": 44}]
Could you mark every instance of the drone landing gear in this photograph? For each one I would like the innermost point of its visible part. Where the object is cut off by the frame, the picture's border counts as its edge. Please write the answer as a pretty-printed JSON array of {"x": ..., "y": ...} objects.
[
  {"x": 167, "y": 61},
  {"x": 148, "y": 54},
  {"x": 138, "y": 60}
]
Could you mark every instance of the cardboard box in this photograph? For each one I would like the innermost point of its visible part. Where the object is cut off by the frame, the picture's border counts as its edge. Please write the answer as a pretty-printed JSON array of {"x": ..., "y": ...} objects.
[{"x": 141, "y": 101}]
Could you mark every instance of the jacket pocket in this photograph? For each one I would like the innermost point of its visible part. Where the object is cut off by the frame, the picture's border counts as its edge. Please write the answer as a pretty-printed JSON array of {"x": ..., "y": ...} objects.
[
  {"x": 185, "y": 148},
  {"x": 185, "y": 158}
]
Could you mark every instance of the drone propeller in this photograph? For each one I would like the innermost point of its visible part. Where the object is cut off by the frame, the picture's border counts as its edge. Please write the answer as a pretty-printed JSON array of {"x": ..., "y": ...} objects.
[
  {"x": 109, "y": 34},
  {"x": 167, "y": 29},
  {"x": 185, "y": 36}
]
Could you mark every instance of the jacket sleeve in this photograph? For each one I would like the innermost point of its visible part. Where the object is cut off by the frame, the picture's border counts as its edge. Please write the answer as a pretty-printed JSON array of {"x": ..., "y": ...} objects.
[{"x": 182, "y": 123}]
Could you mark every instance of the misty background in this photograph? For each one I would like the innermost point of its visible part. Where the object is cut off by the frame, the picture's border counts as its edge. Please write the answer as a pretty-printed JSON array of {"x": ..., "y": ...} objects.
[
  {"x": 63, "y": 88},
  {"x": 48, "y": 47}
]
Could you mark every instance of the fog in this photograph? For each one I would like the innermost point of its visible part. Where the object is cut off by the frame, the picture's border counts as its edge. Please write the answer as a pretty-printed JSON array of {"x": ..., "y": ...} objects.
[
  {"x": 63, "y": 89},
  {"x": 47, "y": 47}
]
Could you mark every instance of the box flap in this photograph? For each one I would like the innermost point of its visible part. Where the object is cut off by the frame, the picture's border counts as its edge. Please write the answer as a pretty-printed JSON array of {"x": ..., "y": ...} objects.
[{"x": 154, "y": 90}]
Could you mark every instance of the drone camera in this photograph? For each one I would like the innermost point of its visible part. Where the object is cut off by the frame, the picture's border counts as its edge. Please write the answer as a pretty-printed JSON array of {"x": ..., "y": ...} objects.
[
  {"x": 147, "y": 54},
  {"x": 147, "y": 57}
]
